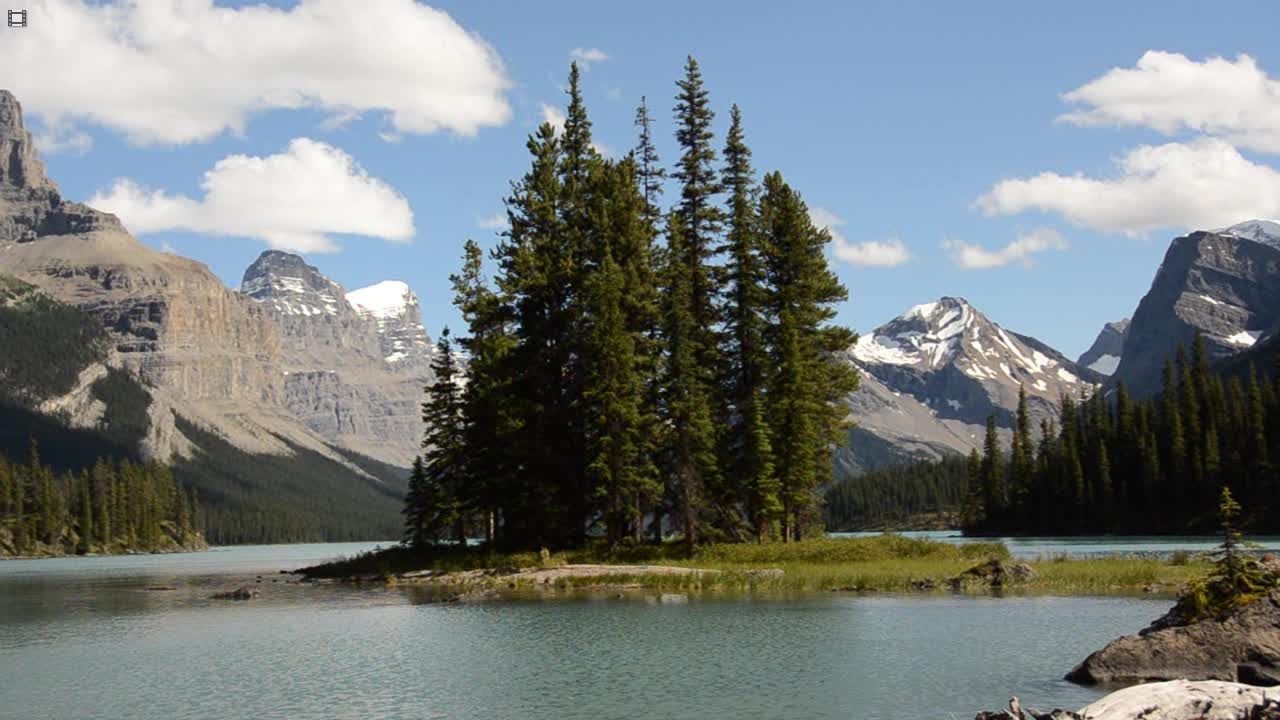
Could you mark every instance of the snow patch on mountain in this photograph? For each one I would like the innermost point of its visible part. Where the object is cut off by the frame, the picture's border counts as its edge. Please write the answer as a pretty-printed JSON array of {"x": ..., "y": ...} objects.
[
  {"x": 1266, "y": 232},
  {"x": 1245, "y": 338},
  {"x": 1106, "y": 364},
  {"x": 386, "y": 299}
]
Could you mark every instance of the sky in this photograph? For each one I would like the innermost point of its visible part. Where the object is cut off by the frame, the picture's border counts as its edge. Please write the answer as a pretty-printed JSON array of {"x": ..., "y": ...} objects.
[{"x": 1033, "y": 158}]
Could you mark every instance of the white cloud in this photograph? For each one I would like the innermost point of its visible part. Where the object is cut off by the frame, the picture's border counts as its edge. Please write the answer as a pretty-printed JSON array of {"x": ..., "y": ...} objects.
[
  {"x": 1199, "y": 185},
  {"x": 872, "y": 253},
  {"x": 496, "y": 221},
  {"x": 292, "y": 201},
  {"x": 1021, "y": 250},
  {"x": 556, "y": 117},
  {"x": 586, "y": 57},
  {"x": 1171, "y": 93},
  {"x": 553, "y": 115},
  {"x": 61, "y": 137},
  {"x": 180, "y": 71}
]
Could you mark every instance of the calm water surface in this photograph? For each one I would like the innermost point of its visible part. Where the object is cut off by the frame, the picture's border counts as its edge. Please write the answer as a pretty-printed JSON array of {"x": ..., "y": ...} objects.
[{"x": 138, "y": 637}]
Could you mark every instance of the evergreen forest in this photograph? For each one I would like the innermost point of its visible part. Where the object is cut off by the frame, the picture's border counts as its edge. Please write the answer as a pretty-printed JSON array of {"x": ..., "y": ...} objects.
[{"x": 638, "y": 367}]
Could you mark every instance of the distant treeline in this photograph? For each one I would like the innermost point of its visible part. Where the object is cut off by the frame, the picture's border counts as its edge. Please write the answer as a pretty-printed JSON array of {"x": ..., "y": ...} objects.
[
  {"x": 111, "y": 507},
  {"x": 892, "y": 496},
  {"x": 620, "y": 385},
  {"x": 1113, "y": 464}
]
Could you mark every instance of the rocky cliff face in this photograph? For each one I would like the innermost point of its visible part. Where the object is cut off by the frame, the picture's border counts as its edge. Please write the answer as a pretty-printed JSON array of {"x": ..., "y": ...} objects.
[
  {"x": 932, "y": 376},
  {"x": 1223, "y": 284},
  {"x": 355, "y": 363},
  {"x": 208, "y": 354},
  {"x": 1103, "y": 356}
]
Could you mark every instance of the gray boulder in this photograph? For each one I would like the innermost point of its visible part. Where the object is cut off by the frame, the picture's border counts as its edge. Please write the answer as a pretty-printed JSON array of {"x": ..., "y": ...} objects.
[{"x": 1244, "y": 647}]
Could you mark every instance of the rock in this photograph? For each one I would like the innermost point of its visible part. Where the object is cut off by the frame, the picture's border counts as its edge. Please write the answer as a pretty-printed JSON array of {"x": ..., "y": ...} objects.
[
  {"x": 924, "y": 585},
  {"x": 993, "y": 574},
  {"x": 1185, "y": 700},
  {"x": 1103, "y": 356},
  {"x": 241, "y": 593},
  {"x": 1173, "y": 700},
  {"x": 1211, "y": 649}
]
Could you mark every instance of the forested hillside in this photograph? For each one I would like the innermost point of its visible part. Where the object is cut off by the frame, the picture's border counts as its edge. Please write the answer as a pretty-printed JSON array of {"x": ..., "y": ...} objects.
[
  {"x": 628, "y": 387},
  {"x": 1112, "y": 464},
  {"x": 46, "y": 345},
  {"x": 900, "y": 497},
  {"x": 110, "y": 508}
]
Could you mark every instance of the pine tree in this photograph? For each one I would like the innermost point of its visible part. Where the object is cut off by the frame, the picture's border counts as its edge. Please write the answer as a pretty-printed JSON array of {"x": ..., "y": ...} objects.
[
  {"x": 649, "y": 171},
  {"x": 686, "y": 404},
  {"x": 491, "y": 424},
  {"x": 86, "y": 515},
  {"x": 1021, "y": 457},
  {"x": 693, "y": 344},
  {"x": 808, "y": 381},
  {"x": 618, "y": 352},
  {"x": 992, "y": 476},
  {"x": 749, "y": 451},
  {"x": 417, "y": 507},
  {"x": 443, "y": 495}
]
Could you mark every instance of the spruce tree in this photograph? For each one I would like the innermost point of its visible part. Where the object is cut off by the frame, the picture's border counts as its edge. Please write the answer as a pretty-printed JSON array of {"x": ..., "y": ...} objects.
[
  {"x": 808, "y": 380},
  {"x": 86, "y": 515},
  {"x": 686, "y": 405},
  {"x": 491, "y": 420},
  {"x": 443, "y": 495},
  {"x": 993, "y": 493},
  {"x": 748, "y": 448},
  {"x": 692, "y": 288}
]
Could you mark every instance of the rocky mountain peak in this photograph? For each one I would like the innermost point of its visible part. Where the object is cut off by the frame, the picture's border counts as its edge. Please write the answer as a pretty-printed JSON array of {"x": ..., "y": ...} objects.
[
  {"x": 395, "y": 308},
  {"x": 20, "y": 167},
  {"x": 1103, "y": 356},
  {"x": 1266, "y": 232},
  {"x": 292, "y": 286}
]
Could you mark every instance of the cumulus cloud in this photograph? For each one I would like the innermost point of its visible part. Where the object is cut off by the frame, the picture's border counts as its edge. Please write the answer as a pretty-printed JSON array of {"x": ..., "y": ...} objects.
[
  {"x": 1171, "y": 93},
  {"x": 1021, "y": 250},
  {"x": 1203, "y": 184},
  {"x": 872, "y": 253},
  {"x": 496, "y": 221},
  {"x": 556, "y": 117},
  {"x": 181, "y": 71},
  {"x": 552, "y": 115},
  {"x": 586, "y": 57},
  {"x": 292, "y": 201}
]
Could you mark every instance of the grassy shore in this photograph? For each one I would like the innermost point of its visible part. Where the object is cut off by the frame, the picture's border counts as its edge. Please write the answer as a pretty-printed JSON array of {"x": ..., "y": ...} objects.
[{"x": 885, "y": 563}]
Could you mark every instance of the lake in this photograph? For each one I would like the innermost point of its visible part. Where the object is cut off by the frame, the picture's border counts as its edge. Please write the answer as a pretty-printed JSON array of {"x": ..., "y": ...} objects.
[{"x": 138, "y": 637}]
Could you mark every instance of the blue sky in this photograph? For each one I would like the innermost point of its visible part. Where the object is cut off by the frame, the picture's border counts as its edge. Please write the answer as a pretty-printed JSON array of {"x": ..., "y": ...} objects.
[{"x": 896, "y": 121}]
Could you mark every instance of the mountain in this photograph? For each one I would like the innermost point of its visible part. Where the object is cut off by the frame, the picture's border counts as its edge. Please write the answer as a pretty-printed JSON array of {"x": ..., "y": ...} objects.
[
  {"x": 1224, "y": 284},
  {"x": 355, "y": 363},
  {"x": 932, "y": 376},
  {"x": 186, "y": 363},
  {"x": 1103, "y": 356}
]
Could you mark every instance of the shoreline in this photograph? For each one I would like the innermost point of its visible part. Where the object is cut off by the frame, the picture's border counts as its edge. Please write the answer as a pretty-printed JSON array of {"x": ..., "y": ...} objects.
[{"x": 887, "y": 563}]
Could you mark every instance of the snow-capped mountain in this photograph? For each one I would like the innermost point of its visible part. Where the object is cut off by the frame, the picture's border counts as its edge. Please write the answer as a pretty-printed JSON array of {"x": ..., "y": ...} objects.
[
  {"x": 1224, "y": 284},
  {"x": 355, "y": 363},
  {"x": 395, "y": 309},
  {"x": 932, "y": 376},
  {"x": 1103, "y": 356}
]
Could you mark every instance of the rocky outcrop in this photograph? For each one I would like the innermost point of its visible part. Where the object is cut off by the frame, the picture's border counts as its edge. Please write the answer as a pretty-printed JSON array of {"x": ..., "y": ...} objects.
[
  {"x": 1224, "y": 285},
  {"x": 354, "y": 371},
  {"x": 1173, "y": 700},
  {"x": 932, "y": 376},
  {"x": 1103, "y": 356},
  {"x": 1244, "y": 646}
]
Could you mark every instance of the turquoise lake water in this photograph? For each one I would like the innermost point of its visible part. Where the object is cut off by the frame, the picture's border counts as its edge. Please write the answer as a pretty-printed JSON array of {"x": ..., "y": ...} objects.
[{"x": 138, "y": 637}]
